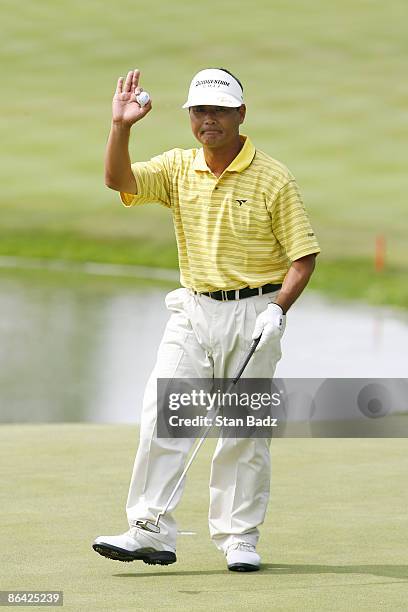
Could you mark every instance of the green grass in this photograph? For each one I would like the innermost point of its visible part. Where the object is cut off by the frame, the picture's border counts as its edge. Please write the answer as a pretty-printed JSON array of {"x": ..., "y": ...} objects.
[
  {"x": 77, "y": 248},
  {"x": 357, "y": 279},
  {"x": 334, "y": 536},
  {"x": 324, "y": 93}
]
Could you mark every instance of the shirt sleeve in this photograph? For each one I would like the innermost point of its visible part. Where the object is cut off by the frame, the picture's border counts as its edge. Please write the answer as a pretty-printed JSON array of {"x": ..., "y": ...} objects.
[
  {"x": 153, "y": 182},
  {"x": 290, "y": 223}
]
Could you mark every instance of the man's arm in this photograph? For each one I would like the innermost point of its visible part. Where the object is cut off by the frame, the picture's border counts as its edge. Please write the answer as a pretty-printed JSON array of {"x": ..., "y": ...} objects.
[
  {"x": 125, "y": 112},
  {"x": 271, "y": 323},
  {"x": 295, "y": 281},
  {"x": 118, "y": 171}
]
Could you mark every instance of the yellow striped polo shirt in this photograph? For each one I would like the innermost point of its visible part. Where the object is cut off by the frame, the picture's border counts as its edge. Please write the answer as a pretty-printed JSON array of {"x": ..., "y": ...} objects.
[{"x": 241, "y": 229}]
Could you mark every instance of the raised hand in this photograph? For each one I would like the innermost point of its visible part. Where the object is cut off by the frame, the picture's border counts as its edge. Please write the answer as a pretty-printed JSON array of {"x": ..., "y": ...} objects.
[{"x": 125, "y": 108}]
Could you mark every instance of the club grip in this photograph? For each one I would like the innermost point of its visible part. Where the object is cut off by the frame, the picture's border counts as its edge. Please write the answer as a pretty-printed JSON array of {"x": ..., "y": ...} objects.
[{"x": 244, "y": 364}]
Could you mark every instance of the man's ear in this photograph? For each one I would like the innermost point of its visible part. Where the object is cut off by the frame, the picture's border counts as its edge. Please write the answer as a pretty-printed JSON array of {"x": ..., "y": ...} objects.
[{"x": 242, "y": 113}]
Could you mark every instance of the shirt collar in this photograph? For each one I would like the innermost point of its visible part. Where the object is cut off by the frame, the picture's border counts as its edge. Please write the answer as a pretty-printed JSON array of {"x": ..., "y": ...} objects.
[{"x": 238, "y": 164}]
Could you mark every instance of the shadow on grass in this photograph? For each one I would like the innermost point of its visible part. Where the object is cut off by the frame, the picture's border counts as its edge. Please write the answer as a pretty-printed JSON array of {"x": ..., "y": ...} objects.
[{"x": 388, "y": 571}]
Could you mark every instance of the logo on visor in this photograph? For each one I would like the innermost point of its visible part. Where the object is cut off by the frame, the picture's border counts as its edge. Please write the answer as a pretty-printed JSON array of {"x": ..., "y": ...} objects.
[{"x": 212, "y": 83}]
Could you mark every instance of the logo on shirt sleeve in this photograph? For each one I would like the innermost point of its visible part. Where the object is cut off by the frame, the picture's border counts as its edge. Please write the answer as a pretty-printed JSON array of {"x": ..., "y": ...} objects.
[{"x": 240, "y": 202}]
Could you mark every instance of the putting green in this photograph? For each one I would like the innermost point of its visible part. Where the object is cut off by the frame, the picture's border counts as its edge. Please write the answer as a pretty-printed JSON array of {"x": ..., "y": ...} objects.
[{"x": 334, "y": 537}]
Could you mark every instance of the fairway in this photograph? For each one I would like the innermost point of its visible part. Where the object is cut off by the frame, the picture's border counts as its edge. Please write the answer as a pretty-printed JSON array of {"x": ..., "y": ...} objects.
[
  {"x": 334, "y": 536},
  {"x": 324, "y": 93}
]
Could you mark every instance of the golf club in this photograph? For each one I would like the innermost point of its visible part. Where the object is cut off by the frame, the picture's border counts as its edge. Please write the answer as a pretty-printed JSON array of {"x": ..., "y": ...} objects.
[{"x": 154, "y": 526}]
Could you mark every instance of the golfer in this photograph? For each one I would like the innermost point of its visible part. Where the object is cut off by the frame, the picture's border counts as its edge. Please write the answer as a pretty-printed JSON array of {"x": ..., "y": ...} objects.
[{"x": 246, "y": 252}]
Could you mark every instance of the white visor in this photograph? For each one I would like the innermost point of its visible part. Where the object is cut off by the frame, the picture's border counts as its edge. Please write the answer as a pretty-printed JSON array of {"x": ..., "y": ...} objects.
[{"x": 213, "y": 87}]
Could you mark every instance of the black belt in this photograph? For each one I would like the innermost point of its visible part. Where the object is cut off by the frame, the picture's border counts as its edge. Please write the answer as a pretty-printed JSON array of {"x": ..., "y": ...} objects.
[{"x": 242, "y": 293}]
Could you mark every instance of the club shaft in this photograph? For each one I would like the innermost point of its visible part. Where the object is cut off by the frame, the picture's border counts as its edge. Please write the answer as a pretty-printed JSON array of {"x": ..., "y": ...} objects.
[{"x": 235, "y": 379}]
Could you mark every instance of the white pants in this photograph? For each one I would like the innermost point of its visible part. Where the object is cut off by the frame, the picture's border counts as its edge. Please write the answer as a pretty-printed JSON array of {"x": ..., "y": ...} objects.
[{"x": 205, "y": 338}]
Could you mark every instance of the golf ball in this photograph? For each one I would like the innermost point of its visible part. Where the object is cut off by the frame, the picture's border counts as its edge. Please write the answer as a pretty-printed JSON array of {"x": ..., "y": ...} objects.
[{"x": 143, "y": 98}]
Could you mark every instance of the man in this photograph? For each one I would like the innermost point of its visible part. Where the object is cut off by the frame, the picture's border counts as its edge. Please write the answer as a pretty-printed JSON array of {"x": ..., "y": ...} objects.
[{"x": 246, "y": 252}]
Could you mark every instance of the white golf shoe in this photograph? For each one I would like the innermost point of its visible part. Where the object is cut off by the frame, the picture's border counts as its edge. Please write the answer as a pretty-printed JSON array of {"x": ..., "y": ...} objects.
[
  {"x": 242, "y": 557},
  {"x": 135, "y": 545}
]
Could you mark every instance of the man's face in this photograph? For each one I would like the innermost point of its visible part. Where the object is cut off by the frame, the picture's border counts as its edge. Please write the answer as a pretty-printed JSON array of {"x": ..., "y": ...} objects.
[{"x": 216, "y": 126}]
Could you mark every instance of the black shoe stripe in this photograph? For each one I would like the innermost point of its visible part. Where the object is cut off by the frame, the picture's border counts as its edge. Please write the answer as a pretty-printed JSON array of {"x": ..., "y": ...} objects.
[
  {"x": 161, "y": 557},
  {"x": 243, "y": 567}
]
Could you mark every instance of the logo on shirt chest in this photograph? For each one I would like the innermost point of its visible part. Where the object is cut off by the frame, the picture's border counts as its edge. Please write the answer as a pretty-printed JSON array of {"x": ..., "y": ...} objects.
[{"x": 240, "y": 202}]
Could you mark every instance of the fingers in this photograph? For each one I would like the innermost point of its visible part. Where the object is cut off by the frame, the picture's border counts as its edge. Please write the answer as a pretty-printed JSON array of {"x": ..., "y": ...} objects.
[
  {"x": 131, "y": 83},
  {"x": 265, "y": 338},
  {"x": 135, "y": 79},
  {"x": 132, "y": 80},
  {"x": 259, "y": 325},
  {"x": 119, "y": 85},
  {"x": 128, "y": 83},
  {"x": 270, "y": 334}
]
